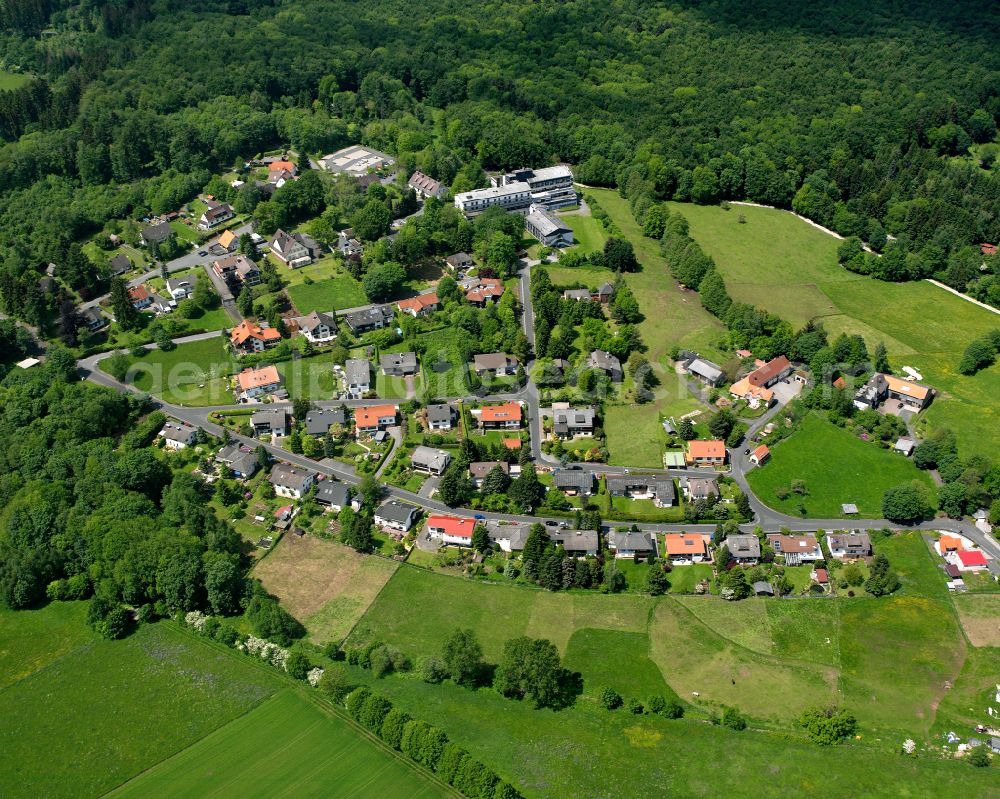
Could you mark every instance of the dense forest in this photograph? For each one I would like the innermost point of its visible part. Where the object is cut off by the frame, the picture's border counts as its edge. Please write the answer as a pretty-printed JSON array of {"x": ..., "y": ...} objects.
[{"x": 876, "y": 119}]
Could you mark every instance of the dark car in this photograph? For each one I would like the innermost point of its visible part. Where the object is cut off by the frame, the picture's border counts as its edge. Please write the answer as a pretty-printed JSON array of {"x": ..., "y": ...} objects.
[
  {"x": 202, "y": 252},
  {"x": 551, "y": 523}
]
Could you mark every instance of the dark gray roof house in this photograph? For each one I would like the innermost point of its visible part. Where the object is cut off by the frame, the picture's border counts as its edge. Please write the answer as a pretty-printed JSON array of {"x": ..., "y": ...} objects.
[
  {"x": 318, "y": 422},
  {"x": 159, "y": 232},
  {"x": 629, "y": 544},
  {"x": 241, "y": 461},
  {"x": 430, "y": 460},
  {"x": 573, "y": 480},
  {"x": 378, "y": 316},
  {"x": 398, "y": 364},
  {"x": 607, "y": 363},
  {"x": 573, "y": 421},
  {"x": 577, "y": 543},
  {"x": 440, "y": 416},
  {"x": 120, "y": 264},
  {"x": 397, "y": 515},
  {"x": 743, "y": 547},
  {"x": 333, "y": 493},
  {"x": 479, "y": 469},
  {"x": 856, "y": 544}
]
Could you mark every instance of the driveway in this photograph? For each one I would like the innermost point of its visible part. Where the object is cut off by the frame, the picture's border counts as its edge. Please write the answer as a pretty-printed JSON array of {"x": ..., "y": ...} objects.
[
  {"x": 430, "y": 485},
  {"x": 786, "y": 390}
]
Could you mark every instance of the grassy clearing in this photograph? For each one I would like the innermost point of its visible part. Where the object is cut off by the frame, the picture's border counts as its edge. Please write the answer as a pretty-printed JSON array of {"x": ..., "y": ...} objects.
[
  {"x": 617, "y": 659},
  {"x": 191, "y": 374},
  {"x": 324, "y": 584},
  {"x": 444, "y": 372},
  {"x": 297, "y": 749},
  {"x": 743, "y": 623},
  {"x": 12, "y": 80},
  {"x": 335, "y": 293},
  {"x": 980, "y": 616},
  {"x": 588, "y": 234},
  {"x": 964, "y": 706},
  {"x": 806, "y": 629},
  {"x": 309, "y": 378},
  {"x": 115, "y": 708},
  {"x": 850, "y": 470}
]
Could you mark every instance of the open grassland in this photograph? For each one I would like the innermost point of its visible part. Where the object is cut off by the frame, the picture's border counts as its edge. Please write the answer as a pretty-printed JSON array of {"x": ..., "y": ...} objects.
[
  {"x": 616, "y": 659},
  {"x": 328, "y": 295},
  {"x": 964, "y": 705},
  {"x": 190, "y": 374},
  {"x": 12, "y": 80},
  {"x": 95, "y": 716},
  {"x": 326, "y": 585},
  {"x": 789, "y": 267},
  {"x": 32, "y": 639},
  {"x": 588, "y": 235},
  {"x": 837, "y": 467},
  {"x": 309, "y": 378},
  {"x": 980, "y": 616},
  {"x": 288, "y": 746}
]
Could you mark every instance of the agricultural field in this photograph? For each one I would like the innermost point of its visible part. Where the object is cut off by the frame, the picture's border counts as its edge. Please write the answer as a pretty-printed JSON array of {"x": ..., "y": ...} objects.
[
  {"x": 325, "y": 585},
  {"x": 787, "y": 266},
  {"x": 298, "y": 748},
  {"x": 335, "y": 293},
  {"x": 850, "y": 470},
  {"x": 197, "y": 373},
  {"x": 980, "y": 617}
]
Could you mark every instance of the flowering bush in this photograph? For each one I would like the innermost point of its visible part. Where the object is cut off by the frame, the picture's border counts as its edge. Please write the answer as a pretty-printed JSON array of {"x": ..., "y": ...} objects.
[
  {"x": 196, "y": 619},
  {"x": 314, "y": 676}
]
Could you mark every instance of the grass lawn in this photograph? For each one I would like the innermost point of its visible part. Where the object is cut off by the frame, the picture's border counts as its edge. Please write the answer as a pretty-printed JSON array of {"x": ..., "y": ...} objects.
[
  {"x": 789, "y": 267},
  {"x": 683, "y": 579},
  {"x": 32, "y": 639},
  {"x": 334, "y": 293},
  {"x": 589, "y": 275},
  {"x": 12, "y": 80},
  {"x": 297, "y": 747},
  {"x": 311, "y": 377},
  {"x": 635, "y": 436},
  {"x": 445, "y": 374},
  {"x": 113, "y": 709},
  {"x": 850, "y": 470},
  {"x": 191, "y": 374},
  {"x": 980, "y": 616},
  {"x": 588, "y": 234},
  {"x": 325, "y": 585},
  {"x": 187, "y": 233},
  {"x": 616, "y": 659}
]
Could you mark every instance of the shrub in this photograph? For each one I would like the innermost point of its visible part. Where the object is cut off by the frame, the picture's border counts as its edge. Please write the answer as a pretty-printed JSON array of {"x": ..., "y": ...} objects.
[
  {"x": 732, "y": 718},
  {"x": 297, "y": 665},
  {"x": 356, "y": 700},
  {"x": 334, "y": 683},
  {"x": 432, "y": 670},
  {"x": 828, "y": 726},
  {"x": 634, "y": 706},
  {"x": 979, "y": 757},
  {"x": 611, "y": 699},
  {"x": 673, "y": 710}
]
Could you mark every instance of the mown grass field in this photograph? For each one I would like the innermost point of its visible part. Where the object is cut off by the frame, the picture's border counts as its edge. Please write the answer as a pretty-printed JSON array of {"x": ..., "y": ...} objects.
[
  {"x": 787, "y": 266},
  {"x": 980, "y": 617},
  {"x": 288, "y": 746},
  {"x": 309, "y": 378},
  {"x": 837, "y": 467},
  {"x": 588, "y": 235},
  {"x": 335, "y": 293},
  {"x": 191, "y": 374}
]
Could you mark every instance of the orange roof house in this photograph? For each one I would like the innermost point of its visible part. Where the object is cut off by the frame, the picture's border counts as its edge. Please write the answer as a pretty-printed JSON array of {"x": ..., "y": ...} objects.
[
  {"x": 228, "y": 239},
  {"x": 282, "y": 166},
  {"x": 252, "y": 381},
  {"x": 375, "y": 417},
  {"x": 506, "y": 415},
  {"x": 906, "y": 388},
  {"x": 770, "y": 372},
  {"x": 839, "y": 382},
  {"x": 253, "y": 338},
  {"x": 706, "y": 452},
  {"x": 949, "y": 543},
  {"x": 761, "y": 454},
  {"x": 745, "y": 390},
  {"x": 419, "y": 305},
  {"x": 692, "y": 547},
  {"x": 988, "y": 249}
]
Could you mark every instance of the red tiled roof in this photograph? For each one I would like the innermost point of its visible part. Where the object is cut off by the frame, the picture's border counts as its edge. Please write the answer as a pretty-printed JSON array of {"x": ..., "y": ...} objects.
[
  {"x": 256, "y": 378},
  {"x": 761, "y": 452},
  {"x": 418, "y": 303},
  {"x": 769, "y": 371},
  {"x": 452, "y": 525},
  {"x": 684, "y": 544},
  {"x": 988, "y": 249},
  {"x": 277, "y": 166},
  {"x": 822, "y": 576},
  {"x": 368, "y": 417},
  {"x": 706, "y": 449},
  {"x": 510, "y": 411},
  {"x": 138, "y": 293},
  {"x": 247, "y": 330},
  {"x": 971, "y": 557}
]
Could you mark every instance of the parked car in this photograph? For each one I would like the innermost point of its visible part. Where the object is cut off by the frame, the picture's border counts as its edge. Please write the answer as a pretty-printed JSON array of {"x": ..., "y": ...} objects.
[
  {"x": 203, "y": 252},
  {"x": 551, "y": 523},
  {"x": 479, "y": 517}
]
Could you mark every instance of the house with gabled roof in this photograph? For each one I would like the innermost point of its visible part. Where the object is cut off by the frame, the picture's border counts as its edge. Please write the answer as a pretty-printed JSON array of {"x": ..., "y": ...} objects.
[
  {"x": 421, "y": 305},
  {"x": 319, "y": 328},
  {"x": 430, "y": 460},
  {"x": 290, "y": 481},
  {"x": 632, "y": 544},
  {"x": 744, "y": 549},
  {"x": 290, "y": 249},
  {"x": 255, "y": 382},
  {"x": 574, "y": 482},
  {"x": 440, "y": 417},
  {"x": 683, "y": 549},
  {"x": 269, "y": 422},
  {"x": 455, "y": 530},
  {"x": 498, "y": 363},
  {"x": 459, "y": 262},
  {"x": 426, "y": 187},
  {"x": 215, "y": 215},
  {"x": 499, "y": 417},
  {"x": 373, "y": 418},
  {"x": 607, "y": 363},
  {"x": 706, "y": 453},
  {"x": 797, "y": 548},
  {"x": 396, "y": 516},
  {"x": 248, "y": 337}
]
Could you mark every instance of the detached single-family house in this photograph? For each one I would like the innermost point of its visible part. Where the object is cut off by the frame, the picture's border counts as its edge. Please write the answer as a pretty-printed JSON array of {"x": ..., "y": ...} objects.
[
  {"x": 140, "y": 297},
  {"x": 769, "y": 373},
  {"x": 370, "y": 420},
  {"x": 432, "y": 461},
  {"x": 178, "y": 436},
  {"x": 215, "y": 214},
  {"x": 239, "y": 459},
  {"x": 579, "y": 295},
  {"x": 659, "y": 489},
  {"x": 119, "y": 265},
  {"x": 252, "y": 383},
  {"x": 701, "y": 488},
  {"x": 440, "y": 417},
  {"x": 499, "y": 417},
  {"x": 571, "y": 422},
  {"x": 460, "y": 262},
  {"x": 744, "y": 549},
  {"x": 396, "y": 516},
  {"x": 289, "y": 481},
  {"x": 426, "y": 187},
  {"x": 683, "y": 549},
  {"x": 374, "y": 318},
  {"x": 318, "y": 328},
  {"x": 421, "y": 305},
  {"x": 348, "y": 246},
  {"x": 479, "y": 470},
  {"x": 947, "y": 544},
  {"x": 270, "y": 422},
  {"x": 509, "y": 536},
  {"x": 179, "y": 288},
  {"x": 498, "y": 363},
  {"x": 632, "y": 545},
  {"x": 280, "y": 172},
  {"x": 577, "y": 543},
  {"x": 754, "y": 396},
  {"x": 318, "y": 422},
  {"x": 228, "y": 241},
  {"x": 484, "y": 292},
  {"x": 968, "y": 560},
  {"x": 707, "y": 372},
  {"x": 607, "y": 363},
  {"x": 911, "y": 396},
  {"x": 290, "y": 249},
  {"x": 706, "y": 453},
  {"x": 248, "y": 337},
  {"x": 796, "y": 549},
  {"x": 451, "y": 529},
  {"x": 849, "y": 546},
  {"x": 760, "y": 454},
  {"x": 357, "y": 376},
  {"x": 399, "y": 364},
  {"x": 334, "y": 495},
  {"x": 574, "y": 482},
  {"x": 156, "y": 234},
  {"x": 92, "y": 319}
]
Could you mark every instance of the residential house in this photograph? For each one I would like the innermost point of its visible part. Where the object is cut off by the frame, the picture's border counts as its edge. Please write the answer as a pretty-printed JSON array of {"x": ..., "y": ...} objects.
[
  {"x": 948, "y": 544},
  {"x": 348, "y": 246},
  {"x": 499, "y": 417},
  {"x": 509, "y": 536},
  {"x": 574, "y": 482},
  {"x": 607, "y": 363},
  {"x": 659, "y": 489},
  {"x": 426, "y": 187},
  {"x": 571, "y": 422},
  {"x": 702, "y": 488},
  {"x": 744, "y": 549},
  {"x": 215, "y": 214},
  {"x": 289, "y": 481},
  {"x": 451, "y": 529},
  {"x": 357, "y": 376},
  {"x": 754, "y": 396},
  {"x": 421, "y": 305},
  {"x": 270, "y": 421},
  {"x": 278, "y": 172},
  {"x": 577, "y": 543},
  {"x": 319, "y": 328},
  {"x": 484, "y": 292},
  {"x": 370, "y": 420},
  {"x": 396, "y": 516},
  {"x": 399, "y": 364},
  {"x": 460, "y": 262},
  {"x": 120, "y": 264},
  {"x": 849, "y": 546},
  {"x": 968, "y": 560},
  {"x": 707, "y": 372},
  {"x": 237, "y": 269},
  {"x": 248, "y": 337},
  {"x": 580, "y": 295},
  {"x": 156, "y": 234},
  {"x": 706, "y": 453},
  {"x": 683, "y": 549},
  {"x": 796, "y": 549},
  {"x": 498, "y": 363},
  {"x": 228, "y": 241},
  {"x": 179, "y": 288},
  {"x": 479, "y": 470},
  {"x": 239, "y": 460},
  {"x": 908, "y": 395},
  {"x": 92, "y": 319},
  {"x": 767, "y": 374},
  {"x": 632, "y": 545},
  {"x": 334, "y": 495},
  {"x": 440, "y": 417},
  {"x": 290, "y": 249},
  {"x": 374, "y": 318},
  {"x": 140, "y": 297},
  {"x": 760, "y": 455},
  {"x": 604, "y": 293},
  {"x": 255, "y": 382},
  {"x": 318, "y": 422},
  {"x": 547, "y": 227},
  {"x": 430, "y": 460},
  {"x": 178, "y": 436}
]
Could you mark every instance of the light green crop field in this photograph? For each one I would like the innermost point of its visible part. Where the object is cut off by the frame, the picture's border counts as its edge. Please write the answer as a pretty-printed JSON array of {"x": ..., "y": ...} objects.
[
  {"x": 335, "y": 293},
  {"x": 190, "y": 374},
  {"x": 837, "y": 468},
  {"x": 288, "y": 746},
  {"x": 787, "y": 266}
]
